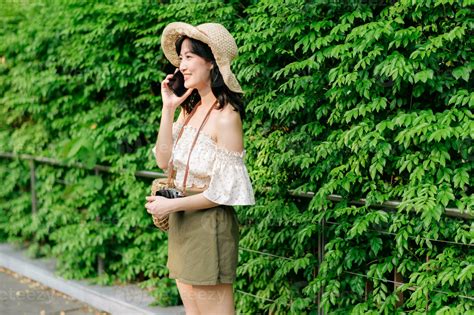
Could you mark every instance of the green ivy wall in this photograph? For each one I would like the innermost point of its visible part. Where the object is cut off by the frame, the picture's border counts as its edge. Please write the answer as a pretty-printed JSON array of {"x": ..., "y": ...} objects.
[{"x": 361, "y": 99}]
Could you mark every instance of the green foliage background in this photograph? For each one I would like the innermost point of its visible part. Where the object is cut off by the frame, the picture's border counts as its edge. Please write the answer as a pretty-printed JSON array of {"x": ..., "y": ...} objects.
[{"x": 365, "y": 99}]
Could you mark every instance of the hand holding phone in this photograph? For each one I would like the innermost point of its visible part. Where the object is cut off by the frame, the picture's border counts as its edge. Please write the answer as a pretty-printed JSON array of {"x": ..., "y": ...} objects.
[{"x": 173, "y": 92}]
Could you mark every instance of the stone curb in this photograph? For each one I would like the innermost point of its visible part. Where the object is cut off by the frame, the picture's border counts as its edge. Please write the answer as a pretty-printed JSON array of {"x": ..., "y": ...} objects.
[{"x": 126, "y": 300}]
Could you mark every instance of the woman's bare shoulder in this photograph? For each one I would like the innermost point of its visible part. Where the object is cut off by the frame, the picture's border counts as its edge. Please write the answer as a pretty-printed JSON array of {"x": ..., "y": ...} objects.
[
  {"x": 229, "y": 124},
  {"x": 229, "y": 117}
]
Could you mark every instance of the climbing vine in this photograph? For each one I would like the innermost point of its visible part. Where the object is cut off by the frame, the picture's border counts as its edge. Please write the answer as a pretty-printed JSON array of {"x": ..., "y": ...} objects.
[{"x": 345, "y": 100}]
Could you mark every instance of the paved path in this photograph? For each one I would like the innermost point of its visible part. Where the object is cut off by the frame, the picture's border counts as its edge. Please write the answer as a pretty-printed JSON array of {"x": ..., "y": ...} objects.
[
  {"x": 23, "y": 296},
  {"x": 125, "y": 299}
]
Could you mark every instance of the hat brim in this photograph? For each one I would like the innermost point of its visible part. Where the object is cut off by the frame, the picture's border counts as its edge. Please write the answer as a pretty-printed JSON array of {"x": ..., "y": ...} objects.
[{"x": 174, "y": 30}]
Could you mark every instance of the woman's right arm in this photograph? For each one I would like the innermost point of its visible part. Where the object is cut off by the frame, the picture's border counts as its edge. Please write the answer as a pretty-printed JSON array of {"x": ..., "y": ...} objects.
[{"x": 164, "y": 141}]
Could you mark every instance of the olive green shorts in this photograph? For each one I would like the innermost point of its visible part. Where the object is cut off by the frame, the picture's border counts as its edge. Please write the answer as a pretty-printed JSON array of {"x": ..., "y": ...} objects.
[{"x": 203, "y": 246}]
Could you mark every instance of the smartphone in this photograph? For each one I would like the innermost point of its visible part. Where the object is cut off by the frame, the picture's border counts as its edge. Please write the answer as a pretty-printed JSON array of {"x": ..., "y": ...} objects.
[{"x": 176, "y": 84}]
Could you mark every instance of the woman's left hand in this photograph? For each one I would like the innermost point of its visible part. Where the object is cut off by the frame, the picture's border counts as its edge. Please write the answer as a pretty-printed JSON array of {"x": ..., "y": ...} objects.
[{"x": 159, "y": 206}]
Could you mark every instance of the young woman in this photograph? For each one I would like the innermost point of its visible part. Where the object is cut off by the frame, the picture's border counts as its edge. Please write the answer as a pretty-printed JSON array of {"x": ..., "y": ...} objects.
[{"x": 203, "y": 235}]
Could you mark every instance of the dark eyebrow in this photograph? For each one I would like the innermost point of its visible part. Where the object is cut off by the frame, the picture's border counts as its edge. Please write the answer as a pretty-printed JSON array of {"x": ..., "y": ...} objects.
[{"x": 186, "y": 52}]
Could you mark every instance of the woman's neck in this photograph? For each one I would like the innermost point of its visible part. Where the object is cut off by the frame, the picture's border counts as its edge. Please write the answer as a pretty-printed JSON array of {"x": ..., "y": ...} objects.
[{"x": 207, "y": 97}]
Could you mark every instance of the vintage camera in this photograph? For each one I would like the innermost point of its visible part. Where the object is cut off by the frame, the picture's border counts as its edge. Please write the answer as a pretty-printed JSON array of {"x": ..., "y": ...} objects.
[{"x": 169, "y": 193}]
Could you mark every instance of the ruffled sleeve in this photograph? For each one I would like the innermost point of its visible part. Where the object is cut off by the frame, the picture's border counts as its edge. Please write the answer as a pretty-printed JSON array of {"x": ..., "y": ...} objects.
[
  {"x": 176, "y": 127},
  {"x": 230, "y": 183}
]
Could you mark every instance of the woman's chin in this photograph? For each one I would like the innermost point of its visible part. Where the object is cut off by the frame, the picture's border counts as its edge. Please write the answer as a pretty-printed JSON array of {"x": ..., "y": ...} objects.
[{"x": 187, "y": 85}]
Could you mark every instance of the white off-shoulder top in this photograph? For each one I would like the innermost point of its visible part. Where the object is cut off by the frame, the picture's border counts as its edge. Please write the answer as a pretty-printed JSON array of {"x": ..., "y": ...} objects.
[{"x": 223, "y": 172}]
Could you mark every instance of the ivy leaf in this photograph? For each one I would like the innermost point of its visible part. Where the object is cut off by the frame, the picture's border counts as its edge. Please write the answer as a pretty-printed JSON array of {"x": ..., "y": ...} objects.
[
  {"x": 375, "y": 245},
  {"x": 461, "y": 177},
  {"x": 424, "y": 76},
  {"x": 466, "y": 274},
  {"x": 462, "y": 72}
]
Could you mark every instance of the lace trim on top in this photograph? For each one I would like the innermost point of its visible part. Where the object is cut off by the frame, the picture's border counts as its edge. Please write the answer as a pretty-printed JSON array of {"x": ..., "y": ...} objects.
[{"x": 218, "y": 169}]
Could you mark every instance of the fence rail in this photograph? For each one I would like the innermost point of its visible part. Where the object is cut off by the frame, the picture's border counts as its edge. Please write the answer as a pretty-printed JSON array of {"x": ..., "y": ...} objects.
[{"x": 390, "y": 205}]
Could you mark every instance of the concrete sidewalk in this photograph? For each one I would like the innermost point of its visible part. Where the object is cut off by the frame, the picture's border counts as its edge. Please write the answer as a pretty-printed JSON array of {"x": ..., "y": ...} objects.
[
  {"x": 20, "y": 295},
  {"x": 126, "y": 300}
]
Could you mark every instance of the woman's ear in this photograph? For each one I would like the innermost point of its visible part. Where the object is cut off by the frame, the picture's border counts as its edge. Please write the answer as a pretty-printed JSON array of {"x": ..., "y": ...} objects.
[{"x": 213, "y": 64}]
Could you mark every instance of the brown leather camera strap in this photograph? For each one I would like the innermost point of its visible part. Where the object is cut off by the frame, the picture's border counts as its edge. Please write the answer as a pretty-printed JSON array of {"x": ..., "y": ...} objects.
[{"x": 171, "y": 172}]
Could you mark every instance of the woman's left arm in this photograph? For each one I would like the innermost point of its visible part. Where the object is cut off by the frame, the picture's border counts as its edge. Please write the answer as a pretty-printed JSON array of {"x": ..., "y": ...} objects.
[
  {"x": 162, "y": 206},
  {"x": 230, "y": 137}
]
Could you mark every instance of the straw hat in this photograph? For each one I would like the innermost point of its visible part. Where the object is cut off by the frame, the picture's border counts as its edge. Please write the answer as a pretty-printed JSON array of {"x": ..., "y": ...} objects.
[{"x": 216, "y": 36}]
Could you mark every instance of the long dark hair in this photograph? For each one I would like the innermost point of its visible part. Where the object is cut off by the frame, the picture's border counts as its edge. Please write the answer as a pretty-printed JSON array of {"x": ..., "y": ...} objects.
[{"x": 220, "y": 90}]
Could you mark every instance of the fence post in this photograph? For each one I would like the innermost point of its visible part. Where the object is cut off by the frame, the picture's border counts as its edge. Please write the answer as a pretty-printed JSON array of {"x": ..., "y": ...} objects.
[
  {"x": 427, "y": 294},
  {"x": 321, "y": 244},
  {"x": 100, "y": 261},
  {"x": 34, "y": 205},
  {"x": 398, "y": 279}
]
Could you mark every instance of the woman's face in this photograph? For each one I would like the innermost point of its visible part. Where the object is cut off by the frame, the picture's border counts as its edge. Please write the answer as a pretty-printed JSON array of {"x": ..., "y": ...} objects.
[{"x": 196, "y": 70}]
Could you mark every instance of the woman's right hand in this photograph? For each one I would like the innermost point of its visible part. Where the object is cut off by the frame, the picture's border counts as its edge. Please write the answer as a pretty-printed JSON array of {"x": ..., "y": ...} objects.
[{"x": 171, "y": 100}]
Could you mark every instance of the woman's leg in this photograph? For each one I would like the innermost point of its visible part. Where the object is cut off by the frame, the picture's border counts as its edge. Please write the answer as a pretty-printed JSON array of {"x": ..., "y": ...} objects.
[
  {"x": 187, "y": 296},
  {"x": 214, "y": 299}
]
